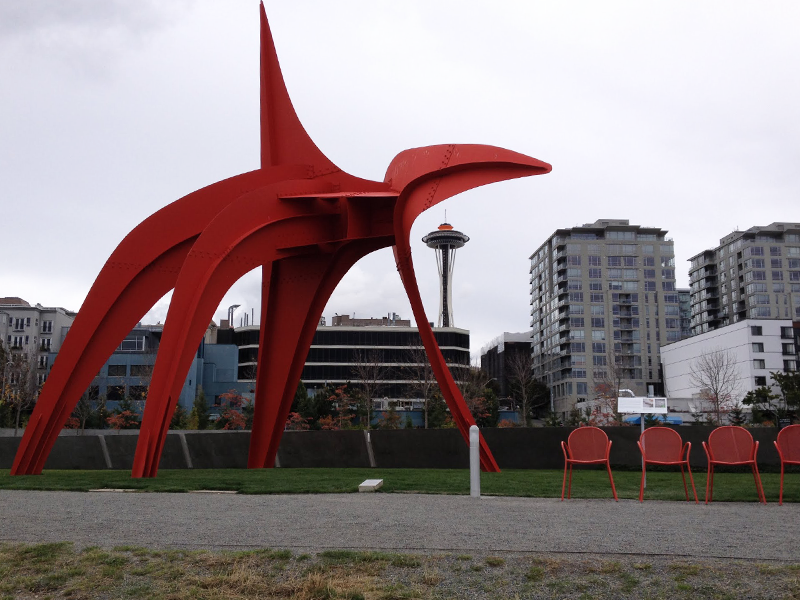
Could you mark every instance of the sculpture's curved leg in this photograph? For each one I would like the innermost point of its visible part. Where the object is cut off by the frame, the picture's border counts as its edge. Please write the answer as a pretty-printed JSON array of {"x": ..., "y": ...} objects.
[
  {"x": 143, "y": 268},
  {"x": 452, "y": 395},
  {"x": 425, "y": 177},
  {"x": 293, "y": 307}
]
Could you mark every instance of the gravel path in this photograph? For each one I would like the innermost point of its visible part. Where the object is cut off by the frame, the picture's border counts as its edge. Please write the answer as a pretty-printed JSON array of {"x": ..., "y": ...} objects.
[{"x": 403, "y": 522}]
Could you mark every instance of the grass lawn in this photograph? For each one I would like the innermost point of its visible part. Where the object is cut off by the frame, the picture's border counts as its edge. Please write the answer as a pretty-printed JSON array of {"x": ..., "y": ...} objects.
[
  {"x": 63, "y": 571},
  {"x": 729, "y": 487}
]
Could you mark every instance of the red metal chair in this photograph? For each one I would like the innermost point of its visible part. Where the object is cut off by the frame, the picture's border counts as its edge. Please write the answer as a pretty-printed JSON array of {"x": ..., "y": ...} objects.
[
  {"x": 586, "y": 446},
  {"x": 788, "y": 446},
  {"x": 664, "y": 446},
  {"x": 731, "y": 445}
]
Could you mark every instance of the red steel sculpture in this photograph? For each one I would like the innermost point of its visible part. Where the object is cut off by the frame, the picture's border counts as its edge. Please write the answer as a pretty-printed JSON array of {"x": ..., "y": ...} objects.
[{"x": 300, "y": 218}]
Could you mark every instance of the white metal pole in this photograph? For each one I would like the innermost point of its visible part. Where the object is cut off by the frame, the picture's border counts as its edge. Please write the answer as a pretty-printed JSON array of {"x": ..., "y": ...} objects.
[
  {"x": 474, "y": 462},
  {"x": 641, "y": 418}
]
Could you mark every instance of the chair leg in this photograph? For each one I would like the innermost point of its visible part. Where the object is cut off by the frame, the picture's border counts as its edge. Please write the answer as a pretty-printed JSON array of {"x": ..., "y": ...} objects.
[
  {"x": 611, "y": 478},
  {"x": 710, "y": 482},
  {"x": 780, "y": 497},
  {"x": 691, "y": 479},
  {"x": 759, "y": 488},
  {"x": 685, "y": 489},
  {"x": 569, "y": 488},
  {"x": 641, "y": 485},
  {"x": 564, "y": 482}
]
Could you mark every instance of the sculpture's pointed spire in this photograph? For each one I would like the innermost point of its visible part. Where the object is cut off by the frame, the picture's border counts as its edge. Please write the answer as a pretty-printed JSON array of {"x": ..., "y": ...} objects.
[{"x": 283, "y": 138}]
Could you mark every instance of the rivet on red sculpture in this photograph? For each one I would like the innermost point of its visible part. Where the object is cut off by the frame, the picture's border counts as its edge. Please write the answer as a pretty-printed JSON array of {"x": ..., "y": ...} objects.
[{"x": 305, "y": 222}]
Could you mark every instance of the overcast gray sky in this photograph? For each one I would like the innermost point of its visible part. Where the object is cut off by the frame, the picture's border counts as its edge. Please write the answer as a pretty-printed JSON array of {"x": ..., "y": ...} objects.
[{"x": 681, "y": 115}]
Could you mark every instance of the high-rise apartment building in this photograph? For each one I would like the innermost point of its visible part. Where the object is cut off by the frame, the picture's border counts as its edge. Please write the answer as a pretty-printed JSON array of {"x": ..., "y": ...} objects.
[
  {"x": 603, "y": 298},
  {"x": 753, "y": 274}
]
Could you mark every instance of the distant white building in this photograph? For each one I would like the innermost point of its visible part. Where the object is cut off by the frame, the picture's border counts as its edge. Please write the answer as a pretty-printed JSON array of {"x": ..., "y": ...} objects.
[
  {"x": 759, "y": 345},
  {"x": 35, "y": 330}
]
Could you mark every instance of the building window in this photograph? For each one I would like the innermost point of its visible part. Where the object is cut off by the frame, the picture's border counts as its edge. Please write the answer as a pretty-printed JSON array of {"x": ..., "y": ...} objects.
[
  {"x": 578, "y": 347},
  {"x": 576, "y": 322},
  {"x": 649, "y": 273},
  {"x": 787, "y": 333},
  {"x": 595, "y": 298},
  {"x": 777, "y": 276},
  {"x": 788, "y": 349},
  {"x": 758, "y": 363},
  {"x": 599, "y": 347},
  {"x": 138, "y": 392},
  {"x": 117, "y": 371},
  {"x": 789, "y": 365},
  {"x": 598, "y": 322},
  {"x": 761, "y": 380},
  {"x": 594, "y": 261},
  {"x": 758, "y": 347},
  {"x": 774, "y": 250},
  {"x": 115, "y": 392},
  {"x": 141, "y": 370},
  {"x": 580, "y": 387},
  {"x": 595, "y": 273}
]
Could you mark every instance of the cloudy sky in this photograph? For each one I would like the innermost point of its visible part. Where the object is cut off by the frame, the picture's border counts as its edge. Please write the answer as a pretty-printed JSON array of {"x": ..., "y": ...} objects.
[{"x": 681, "y": 115}]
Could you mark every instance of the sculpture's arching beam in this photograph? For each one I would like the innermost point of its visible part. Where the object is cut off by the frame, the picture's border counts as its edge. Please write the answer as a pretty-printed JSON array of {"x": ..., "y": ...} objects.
[
  {"x": 271, "y": 415},
  {"x": 426, "y": 177},
  {"x": 247, "y": 233}
]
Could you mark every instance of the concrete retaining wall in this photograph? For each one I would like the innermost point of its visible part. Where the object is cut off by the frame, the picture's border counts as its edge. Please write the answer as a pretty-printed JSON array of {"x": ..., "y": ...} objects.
[{"x": 513, "y": 448}]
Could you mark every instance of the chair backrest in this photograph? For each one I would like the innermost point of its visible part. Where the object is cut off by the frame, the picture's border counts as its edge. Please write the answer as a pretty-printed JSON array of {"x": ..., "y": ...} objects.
[
  {"x": 789, "y": 443},
  {"x": 588, "y": 443},
  {"x": 731, "y": 444},
  {"x": 661, "y": 444}
]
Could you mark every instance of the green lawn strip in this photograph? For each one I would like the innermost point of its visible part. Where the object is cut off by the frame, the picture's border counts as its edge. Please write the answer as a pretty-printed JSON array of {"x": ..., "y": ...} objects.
[
  {"x": 586, "y": 483},
  {"x": 64, "y": 571}
]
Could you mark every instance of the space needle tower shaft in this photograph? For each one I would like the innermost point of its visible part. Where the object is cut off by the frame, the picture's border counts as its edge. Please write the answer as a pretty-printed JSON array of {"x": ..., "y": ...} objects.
[{"x": 445, "y": 240}]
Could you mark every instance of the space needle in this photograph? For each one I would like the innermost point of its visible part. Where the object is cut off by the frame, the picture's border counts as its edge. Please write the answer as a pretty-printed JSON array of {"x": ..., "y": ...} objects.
[{"x": 445, "y": 240}]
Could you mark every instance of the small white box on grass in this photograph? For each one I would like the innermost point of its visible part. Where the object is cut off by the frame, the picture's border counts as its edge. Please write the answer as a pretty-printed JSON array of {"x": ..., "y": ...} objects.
[{"x": 370, "y": 485}]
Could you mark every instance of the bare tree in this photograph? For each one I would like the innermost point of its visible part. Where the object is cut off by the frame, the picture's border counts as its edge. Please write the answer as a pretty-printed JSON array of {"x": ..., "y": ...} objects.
[
  {"x": 20, "y": 385},
  {"x": 714, "y": 372},
  {"x": 480, "y": 399},
  {"x": 527, "y": 390},
  {"x": 369, "y": 374},
  {"x": 609, "y": 379},
  {"x": 420, "y": 376},
  {"x": 84, "y": 408}
]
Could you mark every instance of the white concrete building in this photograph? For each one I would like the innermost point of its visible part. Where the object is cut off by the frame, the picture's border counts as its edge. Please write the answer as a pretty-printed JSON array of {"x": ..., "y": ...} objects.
[
  {"x": 35, "y": 330},
  {"x": 759, "y": 345}
]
